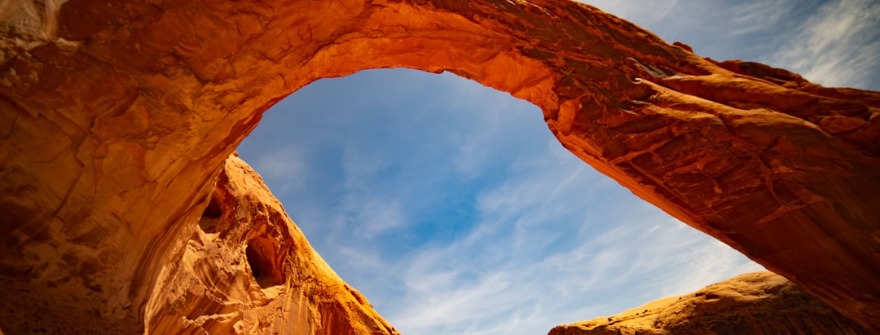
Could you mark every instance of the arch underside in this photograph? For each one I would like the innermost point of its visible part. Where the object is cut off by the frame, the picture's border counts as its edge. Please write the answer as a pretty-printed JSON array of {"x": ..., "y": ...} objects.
[{"x": 117, "y": 118}]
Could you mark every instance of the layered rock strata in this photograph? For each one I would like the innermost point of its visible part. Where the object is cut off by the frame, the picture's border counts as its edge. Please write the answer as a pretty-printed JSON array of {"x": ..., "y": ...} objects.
[
  {"x": 755, "y": 303},
  {"x": 116, "y": 117}
]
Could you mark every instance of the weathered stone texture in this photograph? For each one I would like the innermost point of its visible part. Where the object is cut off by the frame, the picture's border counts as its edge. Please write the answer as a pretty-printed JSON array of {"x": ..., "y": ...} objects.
[
  {"x": 247, "y": 269},
  {"x": 116, "y": 116},
  {"x": 755, "y": 303}
]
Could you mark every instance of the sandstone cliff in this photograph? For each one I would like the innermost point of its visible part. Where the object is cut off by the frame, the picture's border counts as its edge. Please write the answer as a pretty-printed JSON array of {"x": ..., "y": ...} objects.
[
  {"x": 754, "y": 303},
  {"x": 245, "y": 269},
  {"x": 248, "y": 269},
  {"x": 116, "y": 116}
]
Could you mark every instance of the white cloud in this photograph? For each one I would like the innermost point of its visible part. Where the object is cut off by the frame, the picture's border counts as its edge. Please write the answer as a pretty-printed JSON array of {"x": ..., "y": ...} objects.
[
  {"x": 284, "y": 169},
  {"x": 641, "y": 11},
  {"x": 505, "y": 277},
  {"x": 371, "y": 217},
  {"x": 758, "y": 16},
  {"x": 834, "y": 43},
  {"x": 482, "y": 129},
  {"x": 837, "y": 46},
  {"x": 358, "y": 258},
  {"x": 359, "y": 166},
  {"x": 585, "y": 281},
  {"x": 552, "y": 242}
]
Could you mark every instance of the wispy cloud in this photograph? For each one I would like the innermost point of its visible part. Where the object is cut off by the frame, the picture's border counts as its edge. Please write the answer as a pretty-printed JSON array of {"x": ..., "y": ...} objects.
[
  {"x": 373, "y": 216},
  {"x": 834, "y": 43},
  {"x": 645, "y": 11},
  {"x": 283, "y": 168},
  {"x": 455, "y": 289},
  {"x": 543, "y": 253},
  {"x": 757, "y": 16},
  {"x": 454, "y": 211},
  {"x": 472, "y": 219},
  {"x": 837, "y": 46}
]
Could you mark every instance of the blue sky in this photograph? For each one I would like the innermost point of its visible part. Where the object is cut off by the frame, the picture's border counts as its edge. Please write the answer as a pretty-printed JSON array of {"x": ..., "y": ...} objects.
[{"x": 455, "y": 211}]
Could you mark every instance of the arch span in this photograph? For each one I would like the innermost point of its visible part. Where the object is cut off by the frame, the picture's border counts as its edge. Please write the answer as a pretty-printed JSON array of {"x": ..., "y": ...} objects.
[{"x": 117, "y": 117}]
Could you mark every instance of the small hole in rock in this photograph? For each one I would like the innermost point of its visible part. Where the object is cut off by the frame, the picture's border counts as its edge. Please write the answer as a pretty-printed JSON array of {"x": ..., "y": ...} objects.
[
  {"x": 262, "y": 254},
  {"x": 211, "y": 216}
]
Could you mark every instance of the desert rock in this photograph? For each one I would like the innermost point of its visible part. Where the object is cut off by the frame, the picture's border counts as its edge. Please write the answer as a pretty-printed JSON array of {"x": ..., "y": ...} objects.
[
  {"x": 248, "y": 269},
  {"x": 754, "y": 303},
  {"x": 116, "y": 118}
]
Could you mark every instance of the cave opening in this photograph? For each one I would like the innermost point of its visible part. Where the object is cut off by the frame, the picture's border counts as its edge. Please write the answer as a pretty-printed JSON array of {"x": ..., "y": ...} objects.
[
  {"x": 211, "y": 216},
  {"x": 431, "y": 192},
  {"x": 262, "y": 257}
]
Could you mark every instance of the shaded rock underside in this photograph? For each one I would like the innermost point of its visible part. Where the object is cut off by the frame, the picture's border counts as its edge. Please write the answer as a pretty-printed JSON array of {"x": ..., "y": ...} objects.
[{"x": 116, "y": 118}]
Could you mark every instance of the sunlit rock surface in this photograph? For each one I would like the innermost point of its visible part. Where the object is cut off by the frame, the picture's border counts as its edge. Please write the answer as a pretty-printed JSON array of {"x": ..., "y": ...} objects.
[
  {"x": 248, "y": 269},
  {"x": 117, "y": 116},
  {"x": 754, "y": 303}
]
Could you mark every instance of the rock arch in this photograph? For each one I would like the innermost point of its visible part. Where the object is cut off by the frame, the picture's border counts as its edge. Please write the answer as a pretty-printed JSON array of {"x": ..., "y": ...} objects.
[{"x": 117, "y": 116}]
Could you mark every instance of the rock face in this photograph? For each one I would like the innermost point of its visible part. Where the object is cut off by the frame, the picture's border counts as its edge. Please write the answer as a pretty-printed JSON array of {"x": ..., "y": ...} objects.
[
  {"x": 117, "y": 116},
  {"x": 754, "y": 303},
  {"x": 248, "y": 269},
  {"x": 245, "y": 268}
]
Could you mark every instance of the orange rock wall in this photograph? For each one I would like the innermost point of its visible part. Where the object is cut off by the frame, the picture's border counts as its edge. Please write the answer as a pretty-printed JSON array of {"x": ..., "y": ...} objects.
[
  {"x": 116, "y": 116},
  {"x": 247, "y": 269},
  {"x": 754, "y": 303}
]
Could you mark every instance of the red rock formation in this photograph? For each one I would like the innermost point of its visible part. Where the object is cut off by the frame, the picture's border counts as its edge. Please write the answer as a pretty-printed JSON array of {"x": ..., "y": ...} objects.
[
  {"x": 754, "y": 303},
  {"x": 116, "y": 116},
  {"x": 248, "y": 269}
]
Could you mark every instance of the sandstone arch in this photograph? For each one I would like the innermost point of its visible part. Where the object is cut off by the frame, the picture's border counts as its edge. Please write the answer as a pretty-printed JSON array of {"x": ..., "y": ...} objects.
[{"x": 116, "y": 118}]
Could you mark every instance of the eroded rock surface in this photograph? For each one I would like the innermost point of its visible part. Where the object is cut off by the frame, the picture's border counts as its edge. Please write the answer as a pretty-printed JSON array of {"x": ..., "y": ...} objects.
[
  {"x": 248, "y": 269},
  {"x": 116, "y": 116},
  {"x": 754, "y": 303}
]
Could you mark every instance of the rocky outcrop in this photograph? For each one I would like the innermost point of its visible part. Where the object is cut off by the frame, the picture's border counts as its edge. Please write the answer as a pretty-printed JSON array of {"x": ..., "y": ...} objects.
[
  {"x": 116, "y": 117},
  {"x": 754, "y": 303},
  {"x": 247, "y": 269}
]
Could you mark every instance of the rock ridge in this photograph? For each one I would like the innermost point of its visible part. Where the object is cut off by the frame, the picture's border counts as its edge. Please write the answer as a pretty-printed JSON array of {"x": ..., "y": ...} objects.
[
  {"x": 753, "y": 303},
  {"x": 248, "y": 269}
]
